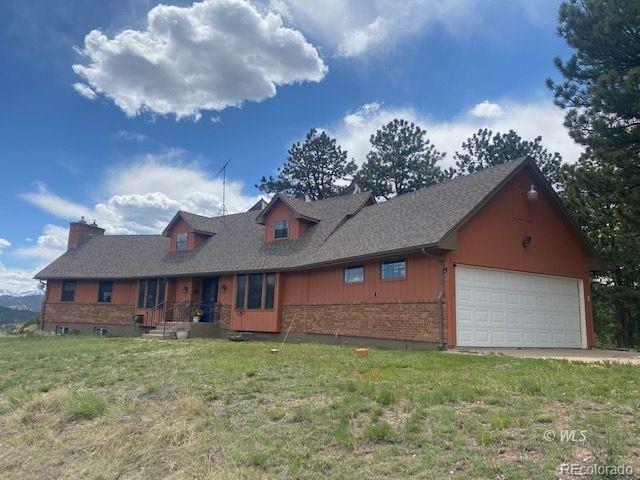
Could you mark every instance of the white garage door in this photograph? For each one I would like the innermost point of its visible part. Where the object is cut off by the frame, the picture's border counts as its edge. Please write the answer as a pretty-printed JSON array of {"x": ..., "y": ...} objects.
[{"x": 501, "y": 308}]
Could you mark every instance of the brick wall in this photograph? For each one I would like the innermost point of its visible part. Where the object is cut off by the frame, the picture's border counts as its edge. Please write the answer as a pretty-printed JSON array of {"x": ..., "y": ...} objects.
[
  {"x": 103, "y": 314},
  {"x": 418, "y": 321},
  {"x": 225, "y": 317}
]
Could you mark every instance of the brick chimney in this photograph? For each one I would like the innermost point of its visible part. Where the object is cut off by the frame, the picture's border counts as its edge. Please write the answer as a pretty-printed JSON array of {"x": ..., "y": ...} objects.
[{"x": 79, "y": 230}]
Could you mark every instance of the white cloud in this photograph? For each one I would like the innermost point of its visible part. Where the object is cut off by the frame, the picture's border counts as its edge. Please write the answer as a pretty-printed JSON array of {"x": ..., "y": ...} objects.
[
  {"x": 15, "y": 280},
  {"x": 4, "y": 243},
  {"x": 85, "y": 91},
  {"x": 131, "y": 136},
  {"x": 528, "y": 119},
  {"x": 487, "y": 109},
  {"x": 49, "y": 246},
  {"x": 55, "y": 204},
  {"x": 209, "y": 56},
  {"x": 143, "y": 195},
  {"x": 354, "y": 28}
]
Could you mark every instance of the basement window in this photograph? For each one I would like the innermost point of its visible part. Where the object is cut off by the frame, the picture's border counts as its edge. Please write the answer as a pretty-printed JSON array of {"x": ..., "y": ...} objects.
[
  {"x": 256, "y": 291},
  {"x": 181, "y": 242},
  {"x": 62, "y": 330},
  {"x": 68, "y": 291},
  {"x": 100, "y": 331},
  {"x": 393, "y": 269},
  {"x": 281, "y": 229},
  {"x": 354, "y": 274},
  {"x": 105, "y": 289}
]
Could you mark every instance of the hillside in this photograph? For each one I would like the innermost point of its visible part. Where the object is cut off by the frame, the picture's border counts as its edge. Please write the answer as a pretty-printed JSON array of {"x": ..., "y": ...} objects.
[
  {"x": 10, "y": 317},
  {"x": 31, "y": 302}
]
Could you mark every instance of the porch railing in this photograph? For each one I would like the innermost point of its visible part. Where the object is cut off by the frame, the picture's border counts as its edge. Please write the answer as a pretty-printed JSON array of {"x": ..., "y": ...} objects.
[{"x": 179, "y": 312}]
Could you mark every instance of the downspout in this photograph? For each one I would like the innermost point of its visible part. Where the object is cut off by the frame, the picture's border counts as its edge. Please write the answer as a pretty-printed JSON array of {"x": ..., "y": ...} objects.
[
  {"x": 43, "y": 304},
  {"x": 440, "y": 294}
]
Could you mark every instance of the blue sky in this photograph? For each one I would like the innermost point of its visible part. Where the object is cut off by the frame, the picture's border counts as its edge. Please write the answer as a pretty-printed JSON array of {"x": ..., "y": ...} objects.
[{"x": 133, "y": 122}]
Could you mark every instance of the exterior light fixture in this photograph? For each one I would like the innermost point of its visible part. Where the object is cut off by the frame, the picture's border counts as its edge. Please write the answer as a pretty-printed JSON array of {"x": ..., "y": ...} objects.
[
  {"x": 526, "y": 241},
  {"x": 185, "y": 289},
  {"x": 532, "y": 194}
]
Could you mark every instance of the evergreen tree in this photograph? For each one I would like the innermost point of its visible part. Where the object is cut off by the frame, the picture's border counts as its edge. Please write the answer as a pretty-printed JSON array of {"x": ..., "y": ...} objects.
[
  {"x": 312, "y": 168},
  {"x": 484, "y": 149},
  {"x": 589, "y": 190},
  {"x": 601, "y": 88},
  {"x": 401, "y": 160}
]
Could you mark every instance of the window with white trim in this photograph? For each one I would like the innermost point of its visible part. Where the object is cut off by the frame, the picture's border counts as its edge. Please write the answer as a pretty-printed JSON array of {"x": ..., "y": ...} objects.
[
  {"x": 62, "y": 330},
  {"x": 181, "y": 242},
  {"x": 354, "y": 274},
  {"x": 281, "y": 229},
  {"x": 393, "y": 269}
]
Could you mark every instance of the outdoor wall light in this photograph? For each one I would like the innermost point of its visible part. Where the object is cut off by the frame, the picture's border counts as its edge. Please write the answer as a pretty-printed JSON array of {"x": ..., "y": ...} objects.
[
  {"x": 526, "y": 241},
  {"x": 532, "y": 194},
  {"x": 224, "y": 287},
  {"x": 185, "y": 289}
]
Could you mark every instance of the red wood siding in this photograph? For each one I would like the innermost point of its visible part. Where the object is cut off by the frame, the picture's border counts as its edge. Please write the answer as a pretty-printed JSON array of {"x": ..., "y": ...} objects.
[
  {"x": 493, "y": 238},
  {"x": 124, "y": 292},
  {"x": 278, "y": 212},
  {"x": 326, "y": 285}
]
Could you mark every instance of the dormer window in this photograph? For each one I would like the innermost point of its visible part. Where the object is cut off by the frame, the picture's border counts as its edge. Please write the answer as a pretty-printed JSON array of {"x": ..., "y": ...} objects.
[
  {"x": 181, "y": 242},
  {"x": 281, "y": 229}
]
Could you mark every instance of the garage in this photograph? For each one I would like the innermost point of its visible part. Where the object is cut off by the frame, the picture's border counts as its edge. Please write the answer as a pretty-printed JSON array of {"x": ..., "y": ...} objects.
[{"x": 503, "y": 308}]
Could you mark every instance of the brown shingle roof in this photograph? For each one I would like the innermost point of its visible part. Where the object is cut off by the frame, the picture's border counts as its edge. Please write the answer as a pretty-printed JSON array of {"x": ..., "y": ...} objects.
[{"x": 345, "y": 229}]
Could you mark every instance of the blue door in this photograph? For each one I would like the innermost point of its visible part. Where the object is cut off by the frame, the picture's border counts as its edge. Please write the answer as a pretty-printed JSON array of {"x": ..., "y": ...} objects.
[{"x": 209, "y": 298}]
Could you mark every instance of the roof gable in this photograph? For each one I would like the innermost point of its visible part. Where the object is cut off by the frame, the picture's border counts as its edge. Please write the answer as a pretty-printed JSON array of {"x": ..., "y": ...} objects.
[{"x": 197, "y": 223}]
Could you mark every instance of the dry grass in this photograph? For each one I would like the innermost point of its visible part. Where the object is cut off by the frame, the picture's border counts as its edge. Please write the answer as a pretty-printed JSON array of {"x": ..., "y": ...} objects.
[{"x": 85, "y": 407}]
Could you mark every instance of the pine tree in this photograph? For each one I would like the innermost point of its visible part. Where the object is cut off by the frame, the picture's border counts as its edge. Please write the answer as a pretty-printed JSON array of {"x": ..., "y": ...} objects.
[
  {"x": 484, "y": 149},
  {"x": 312, "y": 168},
  {"x": 401, "y": 160}
]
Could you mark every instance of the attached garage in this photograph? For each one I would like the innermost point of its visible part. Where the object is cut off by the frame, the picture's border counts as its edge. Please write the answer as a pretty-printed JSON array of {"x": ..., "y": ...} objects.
[{"x": 503, "y": 308}]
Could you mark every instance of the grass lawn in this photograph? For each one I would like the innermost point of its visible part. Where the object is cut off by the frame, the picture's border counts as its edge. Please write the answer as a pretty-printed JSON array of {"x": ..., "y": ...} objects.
[{"x": 89, "y": 407}]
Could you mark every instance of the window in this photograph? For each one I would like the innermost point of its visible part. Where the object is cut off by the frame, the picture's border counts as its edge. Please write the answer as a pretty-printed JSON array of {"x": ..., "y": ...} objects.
[
  {"x": 181, "y": 242},
  {"x": 240, "y": 291},
  {"x": 354, "y": 274},
  {"x": 256, "y": 291},
  {"x": 104, "y": 292},
  {"x": 254, "y": 297},
  {"x": 68, "y": 291},
  {"x": 281, "y": 229},
  {"x": 150, "y": 292},
  {"x": 100, "y": 331},
  {"x": 269, "y": 290},
  {"x": 392, "y": 269},
  {"x": 62, "y": 330}
]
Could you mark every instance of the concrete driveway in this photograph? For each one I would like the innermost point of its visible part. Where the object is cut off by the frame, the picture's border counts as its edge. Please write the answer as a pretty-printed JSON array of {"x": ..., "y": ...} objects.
[{"x": 571, "y": 354}]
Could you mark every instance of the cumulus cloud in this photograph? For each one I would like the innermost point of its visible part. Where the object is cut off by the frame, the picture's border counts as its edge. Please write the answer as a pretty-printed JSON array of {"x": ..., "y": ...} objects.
[
  {"x": 49, "y": 246},
  {"x": 16, "y": 280},
  {"x": 528, "y": 119},
  {"x": 353, "y": 28},
  {"x": 85, "y": 91},
  {"x": 208, "y": 56},
  {"x": 487, "y": 109},
  {"x": 143, "y": 195},
  {"x": 4, "y": 243}
]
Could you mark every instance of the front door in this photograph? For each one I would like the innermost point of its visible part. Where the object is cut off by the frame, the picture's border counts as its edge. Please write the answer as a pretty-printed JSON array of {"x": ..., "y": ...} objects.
[{"x": 209, "y": 298}]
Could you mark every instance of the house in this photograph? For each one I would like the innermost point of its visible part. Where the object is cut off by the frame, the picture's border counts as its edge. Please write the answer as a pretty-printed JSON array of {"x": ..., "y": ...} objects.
[{"x": 487, "y": 259}]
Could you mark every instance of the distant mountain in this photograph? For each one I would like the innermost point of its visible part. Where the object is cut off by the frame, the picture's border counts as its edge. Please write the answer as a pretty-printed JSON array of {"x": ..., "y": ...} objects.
[
  {"x": 26, "y": 293},
  {"x": 31, "y": 302},
  {"x": 11, "y": 318}
]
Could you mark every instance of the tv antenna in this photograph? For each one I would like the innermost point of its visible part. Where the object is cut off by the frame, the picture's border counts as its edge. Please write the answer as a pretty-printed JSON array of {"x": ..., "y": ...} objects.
[{"x": 223, "y": 208}]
